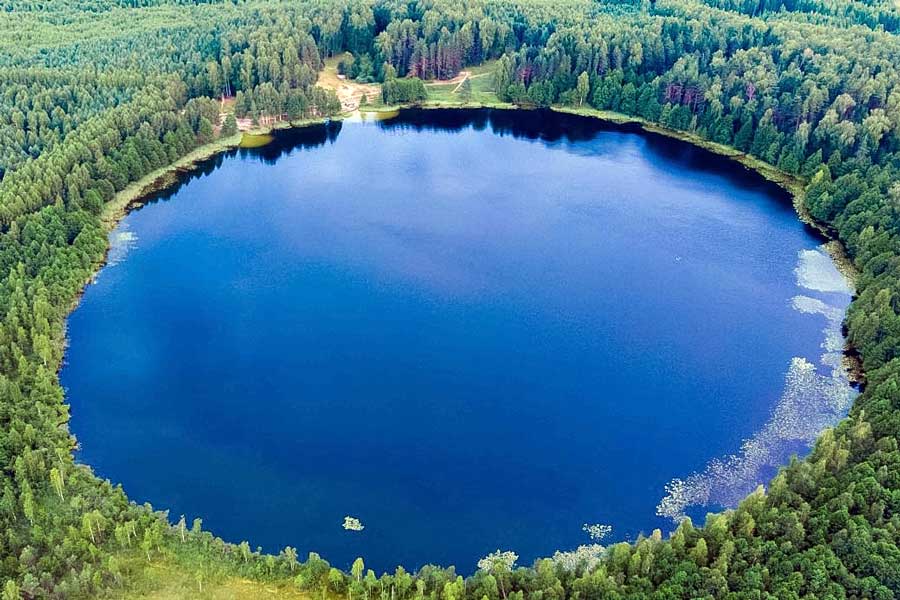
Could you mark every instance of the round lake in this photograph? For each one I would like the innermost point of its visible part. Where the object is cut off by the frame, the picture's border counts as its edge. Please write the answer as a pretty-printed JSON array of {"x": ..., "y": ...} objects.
[{"x": 471, "y": 330}]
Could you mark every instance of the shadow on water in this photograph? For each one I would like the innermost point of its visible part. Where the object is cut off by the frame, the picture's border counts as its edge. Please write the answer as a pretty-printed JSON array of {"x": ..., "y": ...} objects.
[
  {"x": 554, "y": 129},
  {"x": 284, "y": 142}
]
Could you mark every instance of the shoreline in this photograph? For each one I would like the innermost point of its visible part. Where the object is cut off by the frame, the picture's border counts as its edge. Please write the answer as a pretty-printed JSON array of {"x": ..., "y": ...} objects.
[
  {"x": 134, "y": 194},
  {"x": 792, "y": 184}
]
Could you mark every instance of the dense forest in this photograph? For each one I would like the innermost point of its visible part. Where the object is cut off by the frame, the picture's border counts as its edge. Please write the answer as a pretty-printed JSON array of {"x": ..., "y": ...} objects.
[{"x": 96, "y": 94}]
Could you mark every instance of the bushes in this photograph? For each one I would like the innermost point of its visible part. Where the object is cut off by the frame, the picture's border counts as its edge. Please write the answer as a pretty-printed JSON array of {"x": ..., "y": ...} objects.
[{"x": 403, "y": 90}]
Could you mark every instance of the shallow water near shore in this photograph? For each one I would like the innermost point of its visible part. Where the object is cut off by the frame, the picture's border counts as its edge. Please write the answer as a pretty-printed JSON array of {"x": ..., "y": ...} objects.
[{"x": 469, "y": 329}]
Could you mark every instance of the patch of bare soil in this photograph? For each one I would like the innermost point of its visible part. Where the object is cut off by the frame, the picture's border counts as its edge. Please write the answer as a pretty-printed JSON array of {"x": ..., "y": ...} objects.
[{"x": 349, "y": 92}]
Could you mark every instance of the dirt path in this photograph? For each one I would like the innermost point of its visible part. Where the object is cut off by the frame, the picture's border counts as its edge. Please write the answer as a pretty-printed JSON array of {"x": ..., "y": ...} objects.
[
  {"x": 466, "y": 75},
  {"x": 460, "y": 79},
  {"x": 349, "y": 92}
]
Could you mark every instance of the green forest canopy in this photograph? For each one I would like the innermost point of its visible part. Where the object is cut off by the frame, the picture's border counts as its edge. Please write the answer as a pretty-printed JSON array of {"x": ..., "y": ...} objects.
[{"x": 96, "y": 94}]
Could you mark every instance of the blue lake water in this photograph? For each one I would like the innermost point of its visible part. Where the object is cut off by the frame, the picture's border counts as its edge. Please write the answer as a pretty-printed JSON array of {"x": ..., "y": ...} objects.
[{"x": 470, "y": 330}]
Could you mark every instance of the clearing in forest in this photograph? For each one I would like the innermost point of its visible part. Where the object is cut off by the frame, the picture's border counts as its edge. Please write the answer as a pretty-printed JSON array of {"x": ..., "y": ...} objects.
[
  {"x": 172, "y": 581},
  {"x": 449, "y": 90},
  {"x": 349, "y": 92}
]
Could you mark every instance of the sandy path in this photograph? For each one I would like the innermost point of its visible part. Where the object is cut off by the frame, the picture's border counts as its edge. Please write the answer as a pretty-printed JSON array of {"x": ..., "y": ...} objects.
[{"x": 458, "y": 80}]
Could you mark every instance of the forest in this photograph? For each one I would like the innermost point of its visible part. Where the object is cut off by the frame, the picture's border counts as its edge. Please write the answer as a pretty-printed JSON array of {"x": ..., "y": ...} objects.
[{"x": 97, "y": 94}]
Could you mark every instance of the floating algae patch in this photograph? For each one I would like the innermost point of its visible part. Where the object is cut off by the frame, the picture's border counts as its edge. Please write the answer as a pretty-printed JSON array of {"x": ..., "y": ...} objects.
[
  {"x": 121, "y": 241},
  {"x": 813, "y": 400},
  {"x": 810, "y": 403},
  {"x": 255, "y": 140},
  {"x": 377, "y": 115},
  {"x": 816, "y": 271},
  {"x": 833, "y": 345}
]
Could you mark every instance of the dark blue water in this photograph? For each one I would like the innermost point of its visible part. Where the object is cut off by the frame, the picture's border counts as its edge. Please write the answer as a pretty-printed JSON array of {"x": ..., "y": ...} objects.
[{"x": 471, "y": 331}]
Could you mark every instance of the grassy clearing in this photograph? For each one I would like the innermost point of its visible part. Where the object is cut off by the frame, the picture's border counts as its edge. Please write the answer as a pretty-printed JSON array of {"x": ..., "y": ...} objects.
[
  {"x": 483, "y": 85},
  {"x": 350, "y": 93},
  {"x": 167, "y": 579},
  {"x": 226, "y": 105},
  {"x": 479, "y": 79},
  {"x": 442, "y": 92}
]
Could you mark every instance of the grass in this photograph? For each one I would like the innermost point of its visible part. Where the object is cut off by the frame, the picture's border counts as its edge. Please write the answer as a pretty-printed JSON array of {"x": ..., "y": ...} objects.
[
  {"x": 167, "y": 579},
  {"x": 485, "y": 67},
  {"x": 255, "y": 140},
  {"x": 349, "y": 92},
  {"x": 442, "y": 93},
  {"x": 482, "y": 85},
  {"x": 161, "y": 178},
  {"x": 328, "y": 76}
]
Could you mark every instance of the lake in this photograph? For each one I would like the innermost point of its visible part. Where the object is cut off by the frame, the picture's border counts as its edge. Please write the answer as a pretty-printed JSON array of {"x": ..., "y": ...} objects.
[{"x": 471, "y": 330}]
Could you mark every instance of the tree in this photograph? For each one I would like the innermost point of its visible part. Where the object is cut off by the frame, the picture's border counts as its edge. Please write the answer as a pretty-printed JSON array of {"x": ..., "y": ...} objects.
[
  {"x": 56, "y": 480},
  {"x": 744, "y": 135},
  {"x": 357, "y": 569},
  {"x": 405, "y": 90},
  {"x": 582, "y": 88},
  {"x": 699, "y": 553},
  {"x": 499, "y": 564},
  {"x": 205, "y": 130},
  {"x": 229, "y": 127},
  {"x": 811, "y": 165},
  {"x": 11, "y": 591},
  {"x": 335, "y": 580},
  {"x": 245, "y": 551},
  {"x": 290, "y": 555},
  {"x": 147, "y": 543}
]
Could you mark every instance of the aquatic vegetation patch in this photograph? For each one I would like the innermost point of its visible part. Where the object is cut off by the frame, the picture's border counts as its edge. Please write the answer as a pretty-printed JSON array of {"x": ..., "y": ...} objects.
[
  {"x": 811, "y": 402},
  {"x": 121, "y": 241},
  {"x": 253, "y": 140},
  {"x": 816, "y": 271}
]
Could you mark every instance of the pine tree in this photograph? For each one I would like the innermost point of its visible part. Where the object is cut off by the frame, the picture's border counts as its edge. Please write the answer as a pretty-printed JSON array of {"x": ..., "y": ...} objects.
[
  {"x": 744, "y": 135},
  {"x": 582, "y": 87},
  {"x": 229, "y": 127}
]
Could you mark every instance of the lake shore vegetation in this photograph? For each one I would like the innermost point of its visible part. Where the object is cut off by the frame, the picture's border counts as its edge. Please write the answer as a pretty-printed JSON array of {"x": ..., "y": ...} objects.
[{"x": 101, "y": 99}]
